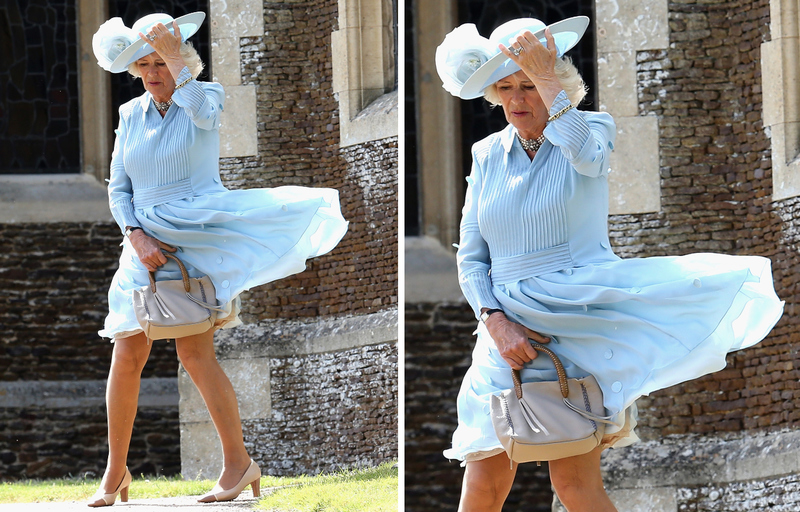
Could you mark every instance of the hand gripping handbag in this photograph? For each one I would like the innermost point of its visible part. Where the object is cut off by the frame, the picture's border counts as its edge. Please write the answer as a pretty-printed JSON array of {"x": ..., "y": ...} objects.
[
  {"x": 176, "y": 308},
  {"x": 540, "y": 421}
]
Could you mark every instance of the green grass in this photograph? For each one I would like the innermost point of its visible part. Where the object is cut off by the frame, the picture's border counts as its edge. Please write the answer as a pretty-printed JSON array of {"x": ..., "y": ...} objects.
[
  {"x": 36, "y": 491},
  {"x": 368, "y": 490}
]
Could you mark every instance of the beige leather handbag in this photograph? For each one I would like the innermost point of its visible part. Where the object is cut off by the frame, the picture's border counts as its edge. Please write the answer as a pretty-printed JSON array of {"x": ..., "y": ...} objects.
[
  {"x": 176, "y": 308},
  {"x": 537, "y": 421}
]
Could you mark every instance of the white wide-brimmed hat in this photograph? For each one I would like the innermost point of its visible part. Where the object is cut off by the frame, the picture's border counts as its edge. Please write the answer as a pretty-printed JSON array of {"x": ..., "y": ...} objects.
[
  {"x": 116, "y": 46},
  {"x": 468, "y": 63}
]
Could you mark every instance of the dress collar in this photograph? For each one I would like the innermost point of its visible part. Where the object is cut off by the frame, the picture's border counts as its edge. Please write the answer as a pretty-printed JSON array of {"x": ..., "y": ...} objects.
[
  {"x": 145, "y": 100},
  {"x": 507, "y": 137}
]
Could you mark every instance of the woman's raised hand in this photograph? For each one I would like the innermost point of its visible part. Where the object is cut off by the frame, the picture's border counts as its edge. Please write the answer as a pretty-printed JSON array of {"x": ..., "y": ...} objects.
[
  {"x": 537, "y": 61},
  {"x": 149, "y": 249},
  {"x": 167, "y": 45},
  {"x": 163, "y": 41},
  {"x": 512, "y": 340},
  {"x": 531, "y": 55}
]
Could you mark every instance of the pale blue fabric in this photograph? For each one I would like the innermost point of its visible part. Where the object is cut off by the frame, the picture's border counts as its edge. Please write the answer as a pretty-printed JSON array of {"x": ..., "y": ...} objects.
[
  {"x": 165, "y": 179},
  {"x": 637, "y": 325}
]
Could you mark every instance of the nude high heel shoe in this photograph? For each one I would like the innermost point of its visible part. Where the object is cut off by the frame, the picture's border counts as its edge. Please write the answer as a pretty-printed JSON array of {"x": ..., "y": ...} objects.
[
  {"x": 101, "y": 499},
  {"x": 251, "y": 477}
]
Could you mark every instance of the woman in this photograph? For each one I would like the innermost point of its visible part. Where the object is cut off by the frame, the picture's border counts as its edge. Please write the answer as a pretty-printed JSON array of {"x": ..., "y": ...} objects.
[
  {"x": 165, "y": 194},
  {"x": 535, "y": 263}
]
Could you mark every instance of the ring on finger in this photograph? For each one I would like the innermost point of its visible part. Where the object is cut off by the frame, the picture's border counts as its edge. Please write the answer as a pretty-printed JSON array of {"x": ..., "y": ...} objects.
[
  {"x": 516, "y": 51},
  {"x": 151, "y": 37}
]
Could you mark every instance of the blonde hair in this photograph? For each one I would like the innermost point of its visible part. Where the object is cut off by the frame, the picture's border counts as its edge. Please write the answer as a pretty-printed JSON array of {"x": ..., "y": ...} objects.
[
  {"x": 189, "y": 55},
  {"x": 567, "y": 75}
]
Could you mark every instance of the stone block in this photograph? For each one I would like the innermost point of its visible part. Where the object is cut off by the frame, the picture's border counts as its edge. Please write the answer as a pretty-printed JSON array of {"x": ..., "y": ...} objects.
[
  {"x": 236, "y": 18},
  {"x": 784, "y": 14},
  {"x": 634, "y": 181},
  {"x": 238, "y": 134},
  {"x": 616, "y": 81},
  {"x": 631, "y": 25},
  {"x": 225, "y": 55},
  {"x": 250, "y": 379},
  {"x": 201, "y": 451}
]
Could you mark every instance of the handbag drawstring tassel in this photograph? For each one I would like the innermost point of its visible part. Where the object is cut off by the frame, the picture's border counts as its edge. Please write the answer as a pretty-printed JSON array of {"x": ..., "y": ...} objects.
[
  {"x": 205, "y": 304},
  {"x": 590, "y": 416},
  {"x": 531, "y": 419},
  {"x": 162, "y": 306}
]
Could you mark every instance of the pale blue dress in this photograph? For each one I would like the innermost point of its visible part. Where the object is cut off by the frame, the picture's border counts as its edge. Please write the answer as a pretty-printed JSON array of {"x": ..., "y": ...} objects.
[
  {"x": 534, "y": 243},
  {"x": 165, "y": 179}
]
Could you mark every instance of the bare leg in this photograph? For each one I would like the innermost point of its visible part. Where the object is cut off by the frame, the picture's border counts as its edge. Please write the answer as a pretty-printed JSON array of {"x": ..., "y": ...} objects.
[
  {"x": 122, "y": 399},
  {"x": 486, "y": 484},
  {"x": 198, "y": 358},
  {"x": 579, "y": 484}
]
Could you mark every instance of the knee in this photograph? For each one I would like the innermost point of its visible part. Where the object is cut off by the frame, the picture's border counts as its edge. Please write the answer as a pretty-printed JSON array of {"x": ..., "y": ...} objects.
[
  {"x": 128, "y": 359},
  {"x": 194, "y": 360},
  {"x": 486, "y": 493}
]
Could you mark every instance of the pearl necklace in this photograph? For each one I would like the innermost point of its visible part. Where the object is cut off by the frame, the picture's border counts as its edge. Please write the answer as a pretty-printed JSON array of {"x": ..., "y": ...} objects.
[
  {"x": 162, "y": 107},
  {"x": 531, "y": 144}
]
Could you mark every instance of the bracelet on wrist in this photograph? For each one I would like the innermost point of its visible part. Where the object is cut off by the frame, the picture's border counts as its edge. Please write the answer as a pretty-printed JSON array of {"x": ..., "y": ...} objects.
[
  {"x": 130, "y": 230},
  {"x": 560, "y": 112},
  {"x": 184, "y": 83}
]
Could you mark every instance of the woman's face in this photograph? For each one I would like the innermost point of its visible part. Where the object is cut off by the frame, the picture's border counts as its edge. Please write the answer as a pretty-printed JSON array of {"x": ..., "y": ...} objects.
[
  {"x": 522, "y": 105},
  {"x": 156, "y": 77}
]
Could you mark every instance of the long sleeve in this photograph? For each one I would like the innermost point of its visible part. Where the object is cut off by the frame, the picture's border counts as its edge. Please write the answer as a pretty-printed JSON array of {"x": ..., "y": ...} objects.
[
  {"x": 586, "y": 140},
  {"x": 473, "y": 254},
  {"x": 202, "y": 102},
  {"x": 120, "y": 189}
]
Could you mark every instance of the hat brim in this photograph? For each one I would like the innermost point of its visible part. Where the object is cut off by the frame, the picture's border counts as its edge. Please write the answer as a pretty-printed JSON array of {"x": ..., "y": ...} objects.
[
  {"x": 566, "y": 33},
  {"x": 189, "y": 25}
]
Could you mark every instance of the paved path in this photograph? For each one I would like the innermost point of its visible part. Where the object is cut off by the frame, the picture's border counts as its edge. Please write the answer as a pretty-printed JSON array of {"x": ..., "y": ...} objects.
[{"x": 243, "y": 503}]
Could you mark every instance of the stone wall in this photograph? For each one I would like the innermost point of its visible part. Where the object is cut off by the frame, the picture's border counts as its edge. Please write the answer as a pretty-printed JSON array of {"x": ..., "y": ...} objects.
[
  {"x": 315, "y": 395},
  {"x": 52, "y": 429},
  {"x": 716, "y": 196},
  {"x": 311, "y": 406},
  {"x": 55, "y": 278},
  {"x": 725, "y": 441},
  {"x": 438, "y": 348},
  {"x": 61, "y": 270}
]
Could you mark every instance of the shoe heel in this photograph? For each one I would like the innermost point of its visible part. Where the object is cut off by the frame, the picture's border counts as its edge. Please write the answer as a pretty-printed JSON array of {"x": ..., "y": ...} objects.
[
  {"x": 123, "y": 495},
  {"x": 256, "y": 486}
]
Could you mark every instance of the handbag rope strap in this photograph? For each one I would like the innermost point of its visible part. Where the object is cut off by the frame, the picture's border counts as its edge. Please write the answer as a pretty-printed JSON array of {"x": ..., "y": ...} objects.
[
  {"x": 562, "y": 382},
  {"x": 184, "y": 274},
  {"x": 562, "y": 374},
  {"x": 186, "y": 286}
]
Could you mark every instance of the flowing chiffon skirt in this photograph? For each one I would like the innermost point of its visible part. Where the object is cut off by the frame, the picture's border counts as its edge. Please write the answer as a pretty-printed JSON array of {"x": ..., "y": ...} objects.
[
  {"x": 239, "y": 238},
  {"x": 637, "y": 325}
]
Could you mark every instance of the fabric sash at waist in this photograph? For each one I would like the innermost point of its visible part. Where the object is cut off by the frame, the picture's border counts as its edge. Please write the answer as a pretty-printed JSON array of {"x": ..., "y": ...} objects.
[
  {"x": 522, "y": 266},
  {"x": 147, "y": 197}
]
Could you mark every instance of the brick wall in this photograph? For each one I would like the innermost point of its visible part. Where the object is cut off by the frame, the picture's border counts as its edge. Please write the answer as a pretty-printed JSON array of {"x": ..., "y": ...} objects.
[
  {"x": 39, "y": 442},
  {"x": 438, "y": 348},
  {"x": 716, "y": 196},
  {"x": 62, "y": 271},
  {"x": 55, "y": 281},
  {"x": 776, "y": 495},
  {"x": 716, "y": 187},
  {"x": 298, "y": 144},
  {"x": 331, "y": 411}
]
